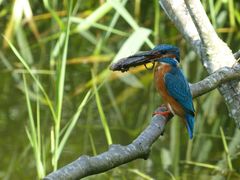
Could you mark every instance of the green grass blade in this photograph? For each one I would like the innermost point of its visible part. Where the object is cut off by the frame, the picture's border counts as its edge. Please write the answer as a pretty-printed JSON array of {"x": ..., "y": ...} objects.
[
  {"x": 113, "y": 22},
  {"x": 140, "y": 174},
  {"x": 124, "y": 13},
  {"x": 231, "y": 11},
  {"x": 24, "y": 45},
  {"x": 130, "y": 20},
  {"x": 38, "y": 119},
  {"x": 156, "y": 22},
  {"x": 175, "y": 146},
  {"x": 95, "y": 16},
  {"x": 53, "y": 13},
  {"x": 92, "y": 144},
  {"x": 102, "y": 115},
  {"x": 33, "y": 76},
  {"x": 72, "y": 123},
  {"x": 226, "y": 150},
  {"x": 61, "y": 75},
  {"x": 204, "y": 165},
  {"x": 57, "y": 48},
  {"x": 89, "y": 36},
  {"x": 237, "y": 15},
  {"x": 40, "y": 164},
  {"x": 99, "y": 26},
  {"x": 114, "y": 104},
  {"x": 52, "y": 141},
  {"x": 30, "y": 114},
  {"x": 34, "y": 134},
  {"x": 61, "y": 70},
  {"x": 29, "y": 136},
  {"x": 212, "y": 13}
]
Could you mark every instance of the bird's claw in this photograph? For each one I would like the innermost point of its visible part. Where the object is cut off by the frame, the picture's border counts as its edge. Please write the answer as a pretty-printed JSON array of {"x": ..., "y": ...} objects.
[
  {"x": 162, "y": 110},
  {"x": 162, "y": 113}
]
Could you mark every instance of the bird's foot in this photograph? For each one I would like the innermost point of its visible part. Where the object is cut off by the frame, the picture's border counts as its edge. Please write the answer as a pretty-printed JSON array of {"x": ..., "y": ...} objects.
[
  {"x": 163, "y": 110},
  {"x": 163, "y": 113}
]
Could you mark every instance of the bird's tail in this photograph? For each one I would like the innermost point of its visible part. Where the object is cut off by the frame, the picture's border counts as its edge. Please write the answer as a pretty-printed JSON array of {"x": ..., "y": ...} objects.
[{"x": 190, "y": 124}]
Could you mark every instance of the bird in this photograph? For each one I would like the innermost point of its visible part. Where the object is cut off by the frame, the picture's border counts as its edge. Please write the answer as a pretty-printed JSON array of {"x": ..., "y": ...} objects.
[
  {"x": 173, "y": 86},
  {"x": 169, "y": 80}
]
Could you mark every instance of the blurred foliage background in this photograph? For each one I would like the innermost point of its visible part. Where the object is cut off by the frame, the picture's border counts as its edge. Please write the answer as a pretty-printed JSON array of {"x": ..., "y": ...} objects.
[{"x": 58, "y": 99}]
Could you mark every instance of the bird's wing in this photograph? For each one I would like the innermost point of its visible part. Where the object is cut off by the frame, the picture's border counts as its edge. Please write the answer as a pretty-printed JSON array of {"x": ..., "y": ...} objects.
[{"x": 177, "y": 86}]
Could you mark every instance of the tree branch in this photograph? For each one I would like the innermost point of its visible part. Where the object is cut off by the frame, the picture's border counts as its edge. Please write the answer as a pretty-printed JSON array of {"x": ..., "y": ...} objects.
[
  {"x": 140, "y": 147},
  {"x": 221, "y": 76},
  {"x": 116, "y": 155},
  {"x": 178, "y": 13},
  {"x": 215, "y": 52}
]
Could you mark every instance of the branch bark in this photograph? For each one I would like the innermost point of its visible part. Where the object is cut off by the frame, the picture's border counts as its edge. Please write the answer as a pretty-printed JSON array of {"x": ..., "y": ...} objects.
[
  {"x": 140, "y": 147},
  {"x": 221, "y": 76}
]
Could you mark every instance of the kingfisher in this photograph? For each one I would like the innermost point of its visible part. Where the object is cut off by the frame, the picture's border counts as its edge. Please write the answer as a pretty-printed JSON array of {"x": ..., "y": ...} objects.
[{"x": 169, "y": 80}]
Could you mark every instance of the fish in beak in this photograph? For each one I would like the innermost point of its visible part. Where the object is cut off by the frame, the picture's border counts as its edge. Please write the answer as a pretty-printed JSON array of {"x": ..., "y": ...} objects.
[{"x": 141, "y": 58}]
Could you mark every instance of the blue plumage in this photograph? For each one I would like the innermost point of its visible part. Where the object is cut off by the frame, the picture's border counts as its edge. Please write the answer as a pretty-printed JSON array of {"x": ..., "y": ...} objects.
[
  {"x": 177, "y": 87},
  {"x": 190, "y": 124},
  {"x": 172, "y": 84},
  {"x": 168, "y": 49}
]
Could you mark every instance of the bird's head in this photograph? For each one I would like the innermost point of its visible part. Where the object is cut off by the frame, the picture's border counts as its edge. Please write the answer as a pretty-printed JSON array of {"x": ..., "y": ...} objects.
[
  {"x": 162, "y": 53},
  {"x": 167, "y": 53}
]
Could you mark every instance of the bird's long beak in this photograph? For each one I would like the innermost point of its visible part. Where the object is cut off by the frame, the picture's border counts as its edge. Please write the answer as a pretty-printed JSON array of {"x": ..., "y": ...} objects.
[{"x": 141, "y": 58}]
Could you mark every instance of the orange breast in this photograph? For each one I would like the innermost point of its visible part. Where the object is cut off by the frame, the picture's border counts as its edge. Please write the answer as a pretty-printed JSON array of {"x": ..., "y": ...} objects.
[{"x": 159, "y": 72}]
